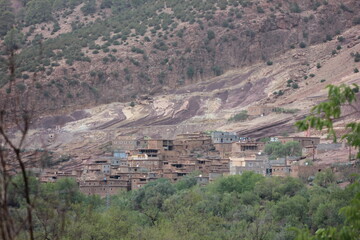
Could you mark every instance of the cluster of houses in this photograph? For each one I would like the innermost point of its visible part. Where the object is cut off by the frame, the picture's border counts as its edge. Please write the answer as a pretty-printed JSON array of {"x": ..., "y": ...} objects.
[{"x": 134, "y": 162}]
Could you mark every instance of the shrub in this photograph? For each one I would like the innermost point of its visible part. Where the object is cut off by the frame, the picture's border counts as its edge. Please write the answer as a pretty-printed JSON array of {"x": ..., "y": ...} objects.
[
  {"x": 242, "y": 116},
  {"x": 269, "y": 63},
  {"x": 89, "y": 7},
  {"x": 356, "y": 70},
  {"x": 217, "y": 70},
  {"x": 338, "y": 47},
  {"x": 333, "y": 52},
  {"x": 21, "y": 87},
  {"x": 318, "y": 65},
  {"x": 190, "y": 72},
  {"x": 302, "y": 45},
  {"x": 210, "y": 35},
  {"x": 295, "y": 86},
  {"x": 294, "y": 8},
  {"x": 137, "y": 50},
  {"x": 305, "y": 77},
  {"x": 341, "y": 39},
  {"x": 322, "y": 80},
  {"x": 260, "y": 9},
  {"x": 312, "y": 75},
  {"x": 356, "y": 20},
  {"x": 356, "y": 57},
  {"x": 132, "y": 104}
]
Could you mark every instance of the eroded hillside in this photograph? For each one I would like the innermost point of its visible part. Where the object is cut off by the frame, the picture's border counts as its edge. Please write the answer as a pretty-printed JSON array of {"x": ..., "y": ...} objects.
[
  {"x": 95, "y": 52},
  {"x": 208, "y": 105}
]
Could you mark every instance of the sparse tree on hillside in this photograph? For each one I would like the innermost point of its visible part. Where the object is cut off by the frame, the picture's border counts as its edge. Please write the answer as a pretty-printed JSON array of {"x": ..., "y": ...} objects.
[{"x": 7, "y": 18}]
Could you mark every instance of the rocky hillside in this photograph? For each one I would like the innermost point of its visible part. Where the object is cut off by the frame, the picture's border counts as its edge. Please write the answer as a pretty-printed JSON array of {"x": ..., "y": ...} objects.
[
  {"x": 295, "y": 82},
  {"x": 86, "y": 53}
]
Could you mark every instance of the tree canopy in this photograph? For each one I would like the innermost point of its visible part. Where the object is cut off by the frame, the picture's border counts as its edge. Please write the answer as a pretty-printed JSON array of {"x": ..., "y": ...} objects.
[
  {"x": 278, "y": 149},
  {"x": 326, "y": 113}
]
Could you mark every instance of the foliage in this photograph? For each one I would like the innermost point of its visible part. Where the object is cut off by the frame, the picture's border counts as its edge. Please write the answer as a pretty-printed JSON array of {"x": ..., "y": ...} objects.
[
  {"x": 243, "y": 206},
  {"x": 7, "y": 18},
  {"x": 278, "y": 149},
  {"x": 324, "y": 114},
  {"x": 285, "y": 110},
  {"x": 38, "y": 11},
  {"x": 242, "y": 116}
]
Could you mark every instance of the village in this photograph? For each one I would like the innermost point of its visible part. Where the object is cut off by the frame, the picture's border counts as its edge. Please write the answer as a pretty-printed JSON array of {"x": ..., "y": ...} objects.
[{"x": 133, "y": 162}]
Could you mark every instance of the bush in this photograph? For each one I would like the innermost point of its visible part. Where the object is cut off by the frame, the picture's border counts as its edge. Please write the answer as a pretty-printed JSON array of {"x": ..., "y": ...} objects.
[
  {"x": 295, "y": 86},
  {"x": 356, "y": 20},
  {"x": 217, "y": 70},
  {"x": 318, "y": 65},
  {"x": 242, "y": 116},
  {"x": 210, "y": 35},
  {"x": 137, "y": 50},
  {"x": 328, "y": 37},
  {"x": 322, "y": 80},
  {"x": 294, "y": 8},
  {"x": 302, "y": 45},
  {"x": 89, "y": 7},
  {"x": 312, "y": 75},
  {"x": 338, "y": 47},
  {"x": 269, "y": 63},
  {"x": 356, "y": 70},
  {"x": 132, "y": 104},
  {"x": 341, "y": 39},
  {"x": 356, "y": 57},
  {"x": 21, "y": 87},
  {"x": 260, "y": 9},
  {"x": 190, "y": 72}
]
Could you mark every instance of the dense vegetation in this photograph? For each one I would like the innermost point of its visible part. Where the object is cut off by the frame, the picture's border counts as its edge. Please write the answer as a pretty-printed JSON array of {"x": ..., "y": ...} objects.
[
  {"x": 249, "y": 206},
  {"x": 278, "y": 149}
]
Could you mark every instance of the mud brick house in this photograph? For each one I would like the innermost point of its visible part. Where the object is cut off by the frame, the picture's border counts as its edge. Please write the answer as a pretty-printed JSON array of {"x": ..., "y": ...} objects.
[
  {"x": 304, "y": 141},
  {"x": 247, "y": 147},
  {"x": 256, "y": 163},
  {"x": 103, "y": 187},
  {"x": 224, "y": 137},
  {"x": 125, "y": 143},
  {"x": 259, "y": 110},
  {"x": 148, "y": 159},
  {"x": 224, "y": 149},
  {"x": 304, "y": 172}
]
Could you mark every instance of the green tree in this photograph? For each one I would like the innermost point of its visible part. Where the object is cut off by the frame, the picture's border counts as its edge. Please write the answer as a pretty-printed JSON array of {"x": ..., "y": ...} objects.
[
  {"x": 277, "y": 149},
  {"x": 149, "y": 200},
  {"x": 7, "y": 18},
  {"x": 89, "y": 7},
  {"x": 38, "y": 11},
  {"x": 324, "y": 114},
  {"x": 324, "y": 179}
]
